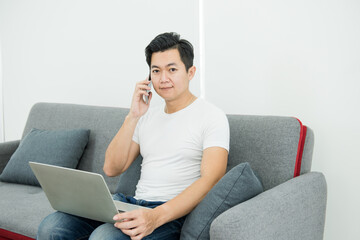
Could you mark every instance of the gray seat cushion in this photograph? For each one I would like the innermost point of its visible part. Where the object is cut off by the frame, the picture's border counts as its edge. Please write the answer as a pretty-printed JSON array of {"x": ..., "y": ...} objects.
[{"x": 22, "y": 208}]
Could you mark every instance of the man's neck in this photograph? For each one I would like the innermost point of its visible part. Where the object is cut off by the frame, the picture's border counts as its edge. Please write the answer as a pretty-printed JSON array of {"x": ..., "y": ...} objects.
[{"x": 177, "y": 105}]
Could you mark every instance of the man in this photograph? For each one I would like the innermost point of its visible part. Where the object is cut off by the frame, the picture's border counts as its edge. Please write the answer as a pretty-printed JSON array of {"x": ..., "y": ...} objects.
[{"x": 184, "y": 145}]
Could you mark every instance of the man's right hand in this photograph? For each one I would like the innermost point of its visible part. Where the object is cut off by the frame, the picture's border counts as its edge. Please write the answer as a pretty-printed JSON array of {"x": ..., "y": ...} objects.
[{"x": 138, "y": 105}]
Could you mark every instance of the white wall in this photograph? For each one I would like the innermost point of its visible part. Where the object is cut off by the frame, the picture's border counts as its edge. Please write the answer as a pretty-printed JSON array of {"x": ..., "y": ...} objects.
[
  {"x": 295, "y": 58},
  {"x": 292, "y": 58},
  {"x": 2, "y": 137},
  {"x": 86, "y": 52}
]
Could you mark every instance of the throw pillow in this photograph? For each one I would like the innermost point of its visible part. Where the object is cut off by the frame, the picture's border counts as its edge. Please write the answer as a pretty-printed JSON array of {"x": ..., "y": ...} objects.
[
  {"x": 57, "y": 147},
  {"x": 238, "y": 185}
]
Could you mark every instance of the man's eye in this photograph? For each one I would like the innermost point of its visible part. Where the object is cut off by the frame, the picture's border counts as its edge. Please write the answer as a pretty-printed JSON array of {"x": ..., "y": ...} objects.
[
  {"x": 172, "y": 69},
  {"x": 155, "y": 71}
]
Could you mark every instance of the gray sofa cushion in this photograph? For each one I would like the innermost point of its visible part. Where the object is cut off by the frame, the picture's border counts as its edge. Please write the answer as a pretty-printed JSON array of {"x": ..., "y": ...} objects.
[
  {"x": 22, "y": 208},
  {"x": 57, "y": 147},
  {"x": 238, "y": 185}
]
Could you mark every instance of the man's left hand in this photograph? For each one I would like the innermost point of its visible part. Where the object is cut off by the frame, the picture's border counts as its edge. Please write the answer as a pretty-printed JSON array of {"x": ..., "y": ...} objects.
[{"x": 137, "y": 223}]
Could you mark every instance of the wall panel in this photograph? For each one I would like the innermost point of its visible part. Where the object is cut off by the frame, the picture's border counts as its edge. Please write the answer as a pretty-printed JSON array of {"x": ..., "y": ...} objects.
[
  {"x": 85, "y": 52},
  {"x": 295, "y": 58}
]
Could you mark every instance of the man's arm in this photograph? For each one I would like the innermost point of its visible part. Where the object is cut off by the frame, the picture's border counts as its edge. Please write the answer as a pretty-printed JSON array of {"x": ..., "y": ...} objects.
[
  {"x": 122, "y": 150},
  {"x": 140, "y": 223}
]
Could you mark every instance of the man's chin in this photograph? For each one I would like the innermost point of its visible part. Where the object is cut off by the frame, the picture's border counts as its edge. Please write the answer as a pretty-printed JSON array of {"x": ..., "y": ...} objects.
[{"x": 166, "y": 96}]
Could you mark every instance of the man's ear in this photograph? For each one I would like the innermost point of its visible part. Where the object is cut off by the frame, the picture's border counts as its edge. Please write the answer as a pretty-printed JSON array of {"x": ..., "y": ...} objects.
[{"x": 191, "y": 72}]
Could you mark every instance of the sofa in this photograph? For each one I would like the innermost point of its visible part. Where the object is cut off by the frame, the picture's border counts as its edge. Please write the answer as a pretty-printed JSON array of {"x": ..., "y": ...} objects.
[{"x": 278, "y": 149}]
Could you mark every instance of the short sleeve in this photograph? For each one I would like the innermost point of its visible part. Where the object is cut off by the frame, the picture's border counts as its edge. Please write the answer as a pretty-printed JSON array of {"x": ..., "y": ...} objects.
[{"x": 217, "y": 132}]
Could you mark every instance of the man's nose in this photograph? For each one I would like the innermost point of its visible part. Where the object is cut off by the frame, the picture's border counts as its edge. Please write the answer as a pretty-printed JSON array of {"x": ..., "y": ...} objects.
[{"x": 163, "y": 77}]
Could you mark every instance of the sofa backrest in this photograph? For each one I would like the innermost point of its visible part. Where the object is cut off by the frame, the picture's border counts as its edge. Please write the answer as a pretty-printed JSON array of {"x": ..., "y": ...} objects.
[
  {"x": 103, "y": 122},
  {"x": 270, "y": 144}
]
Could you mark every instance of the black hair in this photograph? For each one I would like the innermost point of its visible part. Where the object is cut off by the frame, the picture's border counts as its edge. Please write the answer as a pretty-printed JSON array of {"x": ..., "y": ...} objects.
[{"x": 171, "y": 40}]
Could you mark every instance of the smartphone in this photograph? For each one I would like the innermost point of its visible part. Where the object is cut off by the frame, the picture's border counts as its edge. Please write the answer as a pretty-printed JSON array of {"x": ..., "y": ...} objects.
[{"x": 147, "y": 97}]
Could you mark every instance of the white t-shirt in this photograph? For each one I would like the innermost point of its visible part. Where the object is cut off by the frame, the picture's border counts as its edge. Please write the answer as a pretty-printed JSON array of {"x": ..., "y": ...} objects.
[{"x": 172, "y": 146}]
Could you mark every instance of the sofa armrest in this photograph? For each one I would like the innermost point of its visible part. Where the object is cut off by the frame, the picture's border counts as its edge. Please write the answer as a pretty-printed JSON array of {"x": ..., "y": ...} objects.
[
  {"x": 6, "y": 151},
  {"x": 292, "y": 210}
]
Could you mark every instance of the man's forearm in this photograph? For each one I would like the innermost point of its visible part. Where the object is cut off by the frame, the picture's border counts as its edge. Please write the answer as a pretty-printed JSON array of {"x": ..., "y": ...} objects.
[{"x": 117, "y": 153}]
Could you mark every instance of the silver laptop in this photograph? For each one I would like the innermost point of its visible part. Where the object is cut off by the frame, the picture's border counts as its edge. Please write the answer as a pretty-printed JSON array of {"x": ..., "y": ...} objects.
[{"x": 79, "y": 193}]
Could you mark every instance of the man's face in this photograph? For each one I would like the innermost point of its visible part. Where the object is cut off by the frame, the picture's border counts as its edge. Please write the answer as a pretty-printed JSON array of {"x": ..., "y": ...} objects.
[{"x": 169, "y": 76}]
